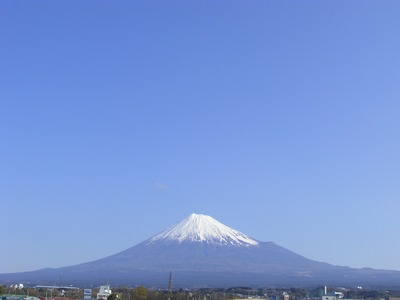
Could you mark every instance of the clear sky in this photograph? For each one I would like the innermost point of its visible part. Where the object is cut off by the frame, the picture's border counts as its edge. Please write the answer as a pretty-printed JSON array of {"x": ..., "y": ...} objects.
[{"x": 280, "y": 119}]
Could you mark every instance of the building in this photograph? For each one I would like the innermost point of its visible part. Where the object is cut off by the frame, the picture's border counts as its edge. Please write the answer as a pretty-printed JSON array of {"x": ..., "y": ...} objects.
[{"x": 104, "y": 292}]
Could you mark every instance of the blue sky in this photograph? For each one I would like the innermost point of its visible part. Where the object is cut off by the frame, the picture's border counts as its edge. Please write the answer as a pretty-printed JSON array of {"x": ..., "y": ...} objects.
[{"x": 278, "y": 118}]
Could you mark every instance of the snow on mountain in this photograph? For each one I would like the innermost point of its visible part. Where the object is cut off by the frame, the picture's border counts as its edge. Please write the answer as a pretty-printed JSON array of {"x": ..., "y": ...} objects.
[{"x": 203, "y": 228}]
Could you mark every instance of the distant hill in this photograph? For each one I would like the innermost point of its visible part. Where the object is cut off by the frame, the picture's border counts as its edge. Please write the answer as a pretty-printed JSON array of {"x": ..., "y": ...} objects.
[{"x": 202, "y": 252}]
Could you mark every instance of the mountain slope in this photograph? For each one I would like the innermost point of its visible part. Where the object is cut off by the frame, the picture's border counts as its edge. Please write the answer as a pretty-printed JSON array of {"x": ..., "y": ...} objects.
[{"x": 201, "y": 243}]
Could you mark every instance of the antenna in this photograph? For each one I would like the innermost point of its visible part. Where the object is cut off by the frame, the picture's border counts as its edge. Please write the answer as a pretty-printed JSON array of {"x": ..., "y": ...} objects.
[{"x": 170, "y": 283}]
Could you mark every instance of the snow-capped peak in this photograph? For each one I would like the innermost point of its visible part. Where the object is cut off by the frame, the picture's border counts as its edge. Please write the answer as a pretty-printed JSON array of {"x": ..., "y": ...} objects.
[{"x": 203, "y": 228}]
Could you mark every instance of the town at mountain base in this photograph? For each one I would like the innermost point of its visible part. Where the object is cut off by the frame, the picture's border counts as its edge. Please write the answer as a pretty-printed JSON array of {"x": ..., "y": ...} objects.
[{"x": 200, "y": 251}]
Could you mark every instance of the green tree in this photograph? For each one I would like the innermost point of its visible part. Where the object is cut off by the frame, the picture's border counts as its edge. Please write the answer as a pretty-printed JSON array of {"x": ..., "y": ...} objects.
[
  {"x": 140, "y": 293},
  {"x": 112, "y": 297}
]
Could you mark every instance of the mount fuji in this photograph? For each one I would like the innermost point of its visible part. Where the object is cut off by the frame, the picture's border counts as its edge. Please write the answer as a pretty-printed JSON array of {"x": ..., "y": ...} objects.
[{"x": 200, "y": 251}]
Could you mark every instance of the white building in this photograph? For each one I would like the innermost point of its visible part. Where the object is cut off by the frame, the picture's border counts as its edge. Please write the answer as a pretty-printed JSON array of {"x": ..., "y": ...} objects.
[{"x": 104, "y": 292}]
